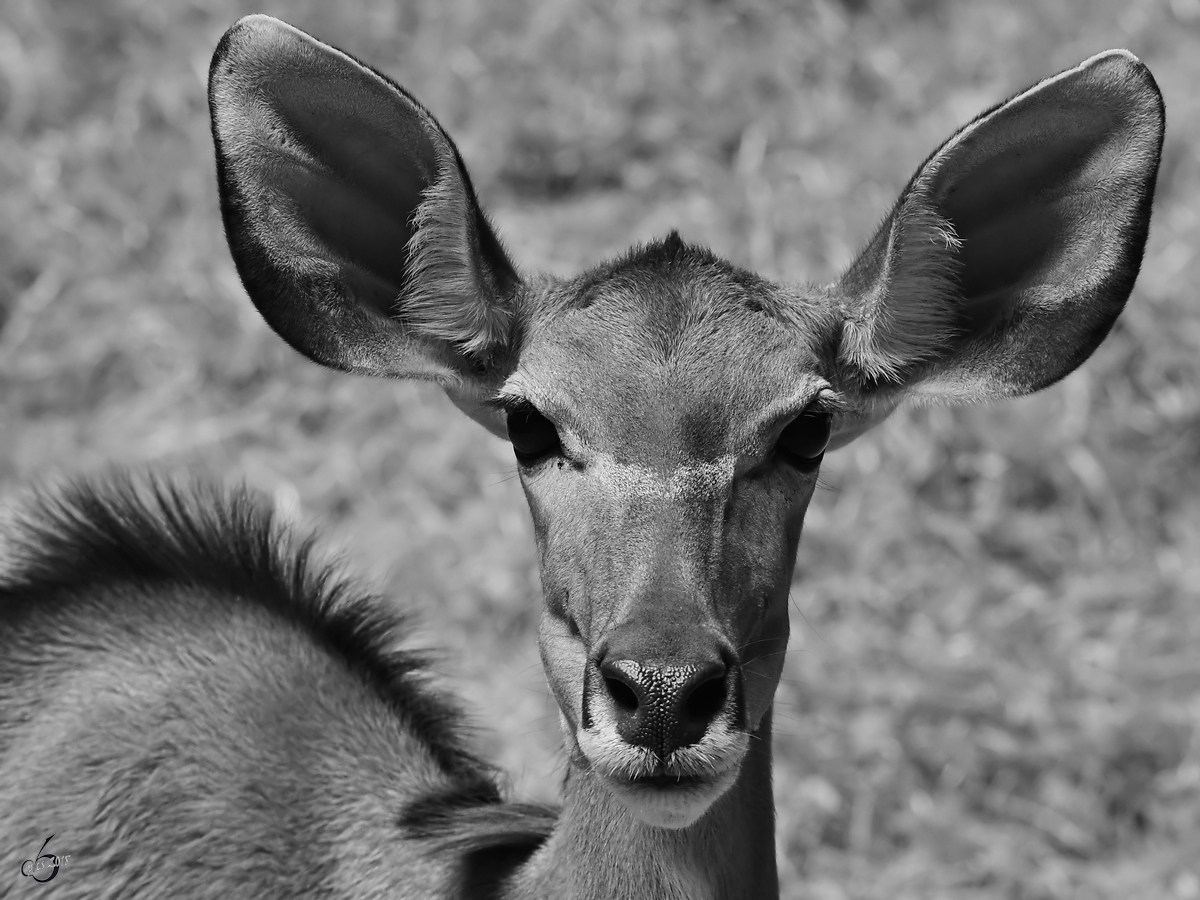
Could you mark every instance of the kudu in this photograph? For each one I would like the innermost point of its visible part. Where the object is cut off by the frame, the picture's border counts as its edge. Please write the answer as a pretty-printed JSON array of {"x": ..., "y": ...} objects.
[{"x": 194, "y": 709}]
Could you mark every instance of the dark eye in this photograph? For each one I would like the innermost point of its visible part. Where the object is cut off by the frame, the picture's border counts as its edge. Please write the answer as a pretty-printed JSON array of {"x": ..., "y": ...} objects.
[
  {"x": 802, "y": 443},
  {"x": 533, "y": 436}
]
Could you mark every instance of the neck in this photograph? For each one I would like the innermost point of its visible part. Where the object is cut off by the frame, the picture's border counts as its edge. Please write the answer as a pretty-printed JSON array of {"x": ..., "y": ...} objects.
[{"x": 599, "y": 851}]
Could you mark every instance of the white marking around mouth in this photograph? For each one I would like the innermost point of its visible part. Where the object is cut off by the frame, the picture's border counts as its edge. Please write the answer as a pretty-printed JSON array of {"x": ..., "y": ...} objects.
[{"x": 714, "y": 760}]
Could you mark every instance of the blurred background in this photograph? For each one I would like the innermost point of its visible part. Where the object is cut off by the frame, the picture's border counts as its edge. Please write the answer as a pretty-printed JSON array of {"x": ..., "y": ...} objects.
[{"x": 993, "y": 688}]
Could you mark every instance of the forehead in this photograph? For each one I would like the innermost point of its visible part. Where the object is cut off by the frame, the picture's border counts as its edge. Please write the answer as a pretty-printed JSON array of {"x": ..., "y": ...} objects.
[{"x": 669, "y": 349}]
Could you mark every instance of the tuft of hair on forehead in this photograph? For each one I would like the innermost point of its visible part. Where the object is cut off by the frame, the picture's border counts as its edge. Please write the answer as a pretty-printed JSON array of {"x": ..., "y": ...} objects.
[
  {"x": 670, "y": 271},
  {"x": 672, "y": 297}
]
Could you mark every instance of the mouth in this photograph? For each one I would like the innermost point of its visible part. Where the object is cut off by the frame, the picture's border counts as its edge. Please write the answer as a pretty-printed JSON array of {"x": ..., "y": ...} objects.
[{"x": 669, "y": 782}]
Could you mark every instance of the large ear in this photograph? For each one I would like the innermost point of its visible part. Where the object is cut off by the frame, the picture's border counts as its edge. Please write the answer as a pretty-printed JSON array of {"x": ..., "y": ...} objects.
[
  {"x": 350, "y": 216},
  {"x": 1013, "y": 249}
]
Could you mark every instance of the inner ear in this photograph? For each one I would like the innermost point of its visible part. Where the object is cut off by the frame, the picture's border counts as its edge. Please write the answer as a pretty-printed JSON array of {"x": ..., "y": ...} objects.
[
  {"x": 359, "y": 200},
  {"x": 1005, "y": 211}
]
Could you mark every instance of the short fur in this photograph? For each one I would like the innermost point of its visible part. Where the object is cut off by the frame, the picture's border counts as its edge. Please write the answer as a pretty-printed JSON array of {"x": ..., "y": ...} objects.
[
  {"x": 111, "y": 536},
  {"x": 139, "y": 554}
]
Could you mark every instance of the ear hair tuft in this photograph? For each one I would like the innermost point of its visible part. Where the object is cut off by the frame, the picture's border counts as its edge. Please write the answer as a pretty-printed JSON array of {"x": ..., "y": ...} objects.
[
  {"x": 444, "y": 298},
  {"x": 907, "y": 317}
]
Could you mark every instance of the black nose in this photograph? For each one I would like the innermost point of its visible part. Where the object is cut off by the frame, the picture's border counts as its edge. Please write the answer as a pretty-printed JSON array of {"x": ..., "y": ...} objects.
[{"x": 664, "y": 707}]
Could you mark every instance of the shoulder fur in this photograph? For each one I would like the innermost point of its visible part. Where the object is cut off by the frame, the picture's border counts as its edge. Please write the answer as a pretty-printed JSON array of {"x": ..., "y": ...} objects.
[{"x": 152, "y": 532}]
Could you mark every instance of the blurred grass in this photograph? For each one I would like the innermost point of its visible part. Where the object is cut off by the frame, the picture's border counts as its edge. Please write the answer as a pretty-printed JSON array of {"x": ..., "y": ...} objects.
[{"x": 994, "y": 682}]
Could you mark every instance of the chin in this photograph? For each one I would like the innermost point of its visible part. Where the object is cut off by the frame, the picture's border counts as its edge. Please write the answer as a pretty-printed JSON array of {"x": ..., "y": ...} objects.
[{"x": 666, "y": 802}]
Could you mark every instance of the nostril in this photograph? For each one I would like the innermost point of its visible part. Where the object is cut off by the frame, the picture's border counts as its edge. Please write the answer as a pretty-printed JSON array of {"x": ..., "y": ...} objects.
[
  {"x": 622, "y": 694},
  {"x": 706, "y": 699}
]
